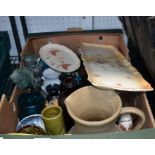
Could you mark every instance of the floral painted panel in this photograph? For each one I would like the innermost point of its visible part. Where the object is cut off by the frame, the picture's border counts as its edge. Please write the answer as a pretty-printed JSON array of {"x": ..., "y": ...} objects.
[{"x": 108, "y": 68}]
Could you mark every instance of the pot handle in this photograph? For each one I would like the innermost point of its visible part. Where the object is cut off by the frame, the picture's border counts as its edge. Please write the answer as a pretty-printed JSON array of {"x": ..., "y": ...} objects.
[{"x": 137, "y": 112}]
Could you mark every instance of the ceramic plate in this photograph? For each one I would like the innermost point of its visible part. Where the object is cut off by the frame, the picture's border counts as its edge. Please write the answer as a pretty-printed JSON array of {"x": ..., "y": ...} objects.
[
  {"x": 59, "y": 57},
  {"x": 108, "y": 68}
]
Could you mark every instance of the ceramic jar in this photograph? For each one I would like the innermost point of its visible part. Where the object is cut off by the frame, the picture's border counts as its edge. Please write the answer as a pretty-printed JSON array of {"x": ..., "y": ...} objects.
[
  {"x": 29, "y": 103},
  {"x": 50, "y": 77}
]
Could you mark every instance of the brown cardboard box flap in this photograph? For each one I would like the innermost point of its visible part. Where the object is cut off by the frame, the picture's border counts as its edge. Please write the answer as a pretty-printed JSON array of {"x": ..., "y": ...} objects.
[{"x": 8, "y": 116}]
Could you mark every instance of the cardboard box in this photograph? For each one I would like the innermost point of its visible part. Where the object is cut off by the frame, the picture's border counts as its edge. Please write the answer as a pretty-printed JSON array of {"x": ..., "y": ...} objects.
[{"x": 8, "y": 109}]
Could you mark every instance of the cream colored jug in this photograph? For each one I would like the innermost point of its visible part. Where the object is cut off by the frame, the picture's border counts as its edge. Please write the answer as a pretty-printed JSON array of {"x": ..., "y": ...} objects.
[{"x": 95, "y": 110}]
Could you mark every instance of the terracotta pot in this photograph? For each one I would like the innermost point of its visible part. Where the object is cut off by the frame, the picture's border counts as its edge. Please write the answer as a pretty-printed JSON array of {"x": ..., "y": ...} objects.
[{"x": 95, "y": 110}]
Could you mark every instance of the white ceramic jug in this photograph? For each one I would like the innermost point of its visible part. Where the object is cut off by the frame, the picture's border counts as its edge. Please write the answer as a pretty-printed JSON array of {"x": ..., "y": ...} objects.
[{"x": 50, "y": 77}]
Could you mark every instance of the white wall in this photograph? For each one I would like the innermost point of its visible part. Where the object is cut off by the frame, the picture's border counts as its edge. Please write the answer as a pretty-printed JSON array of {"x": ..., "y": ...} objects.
[{"x": 37, "y": 24}]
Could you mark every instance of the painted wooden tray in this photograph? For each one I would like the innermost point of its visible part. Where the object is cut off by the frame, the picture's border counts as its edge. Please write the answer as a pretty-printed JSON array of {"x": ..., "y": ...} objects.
[
  {"x": 108, "y": 68},
  {"x": 59, "y": 57}
]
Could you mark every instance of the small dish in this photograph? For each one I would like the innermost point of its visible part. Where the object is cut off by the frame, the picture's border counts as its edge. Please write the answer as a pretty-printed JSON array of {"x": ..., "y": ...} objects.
[
  {"x": 59, "y": 57},
  {"x": 33, "y": 122}
]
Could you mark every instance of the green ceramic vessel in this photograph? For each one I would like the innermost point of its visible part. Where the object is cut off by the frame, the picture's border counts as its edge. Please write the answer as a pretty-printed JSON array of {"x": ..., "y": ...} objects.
[{"x": 53, "y": 119}]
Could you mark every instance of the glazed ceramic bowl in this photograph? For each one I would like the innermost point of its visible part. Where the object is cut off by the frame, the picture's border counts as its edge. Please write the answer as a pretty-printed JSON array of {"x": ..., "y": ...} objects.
[{"x": 32, "y": 124}]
